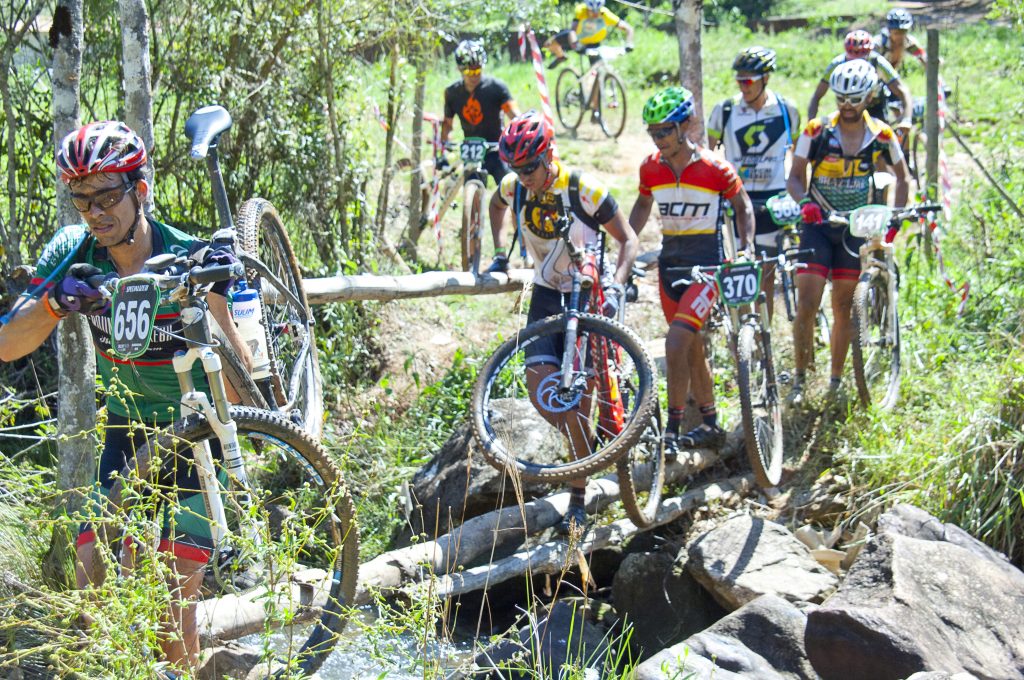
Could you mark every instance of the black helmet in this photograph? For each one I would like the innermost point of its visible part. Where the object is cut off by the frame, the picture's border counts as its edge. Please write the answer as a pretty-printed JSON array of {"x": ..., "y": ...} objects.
[
  {"x": 755, "y": 59},
  {"x": 899, "y": 18},
  {"x": 470, "y": 53}
]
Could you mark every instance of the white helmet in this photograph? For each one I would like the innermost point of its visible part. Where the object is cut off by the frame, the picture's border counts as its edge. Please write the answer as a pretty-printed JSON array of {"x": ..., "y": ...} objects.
[
  {"x": 594, "y": 5},
  {"x": 853, "y": 78}
]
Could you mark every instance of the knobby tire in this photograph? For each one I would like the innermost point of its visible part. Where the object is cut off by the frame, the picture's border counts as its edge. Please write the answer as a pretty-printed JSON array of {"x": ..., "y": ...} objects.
[
  {"x": 875, "y": 346},
  {"x": 641, "y": 473},
  {"x": 472, "y": 226},
  {"x": 569, "y": 102},
  {"x": 760, "y": 406},
  {"x": 612, "y": 104}
]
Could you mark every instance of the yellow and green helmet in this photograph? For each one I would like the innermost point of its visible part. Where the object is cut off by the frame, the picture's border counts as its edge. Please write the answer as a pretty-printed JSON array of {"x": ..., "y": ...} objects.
[{"x": 671, "y": 105}]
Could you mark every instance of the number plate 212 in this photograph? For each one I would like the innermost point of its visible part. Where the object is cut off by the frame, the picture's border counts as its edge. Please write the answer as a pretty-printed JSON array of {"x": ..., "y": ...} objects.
[
  {"x": 740, "y": 283},
  {"x": 133, "y": 312}
]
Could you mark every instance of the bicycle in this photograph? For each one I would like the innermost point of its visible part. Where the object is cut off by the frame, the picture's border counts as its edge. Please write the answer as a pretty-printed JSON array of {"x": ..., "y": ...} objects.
[
  {"x": 470, "y": 178},
  {"x": 738, "y": 286},
  {"x": 582, "y": 362},
  {"x": 282, "y": 520},
  {"x": 875, "y": 346},
  {"x": 291, "y": 382},
  {"x": 596, "y": 89}
]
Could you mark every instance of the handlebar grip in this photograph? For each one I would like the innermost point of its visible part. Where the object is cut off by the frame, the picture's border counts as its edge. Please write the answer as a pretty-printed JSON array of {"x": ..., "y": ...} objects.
[{"x": 201, "y": 276}]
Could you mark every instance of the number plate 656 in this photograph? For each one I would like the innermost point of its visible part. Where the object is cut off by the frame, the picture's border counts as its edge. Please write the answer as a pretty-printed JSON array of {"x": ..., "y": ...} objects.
[
  {"x": 133, "y": 311},
  {"x": 739, "y": 283}
]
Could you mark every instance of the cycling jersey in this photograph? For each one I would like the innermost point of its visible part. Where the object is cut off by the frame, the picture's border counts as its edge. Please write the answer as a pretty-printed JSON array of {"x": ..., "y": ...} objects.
[
  {"x": 883, "y": 45},
  {"x": 591, "y": 30},
  {"x": 479, "y": 111},
  {"x": 539, "y": 215},
  {"x": 840, "y": 182},
  {"x": 690, "y": 206},
  {"x": 755, "y": 142},
  {"x": 145, "y": 388},
  {"x": 885, "y": 70}
]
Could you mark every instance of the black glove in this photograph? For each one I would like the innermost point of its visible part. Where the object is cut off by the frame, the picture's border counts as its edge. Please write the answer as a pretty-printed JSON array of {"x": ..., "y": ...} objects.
[
  {"x": 441, "y": 163},
  {"x": 219, "y": 257},
  {"x": 500, "y": 264},
  {"x": 75, "y": 294}
]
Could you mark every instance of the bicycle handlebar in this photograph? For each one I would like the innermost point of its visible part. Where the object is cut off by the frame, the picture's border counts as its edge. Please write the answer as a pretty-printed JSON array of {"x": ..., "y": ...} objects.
[{"x": 196, "y": 276}]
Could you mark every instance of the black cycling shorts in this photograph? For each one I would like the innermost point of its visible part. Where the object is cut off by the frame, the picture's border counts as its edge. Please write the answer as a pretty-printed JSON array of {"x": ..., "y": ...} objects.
[
  {"x": 546, "y": 302},
  {"x": 495, "y": 168},
  {"x": 836, "y": 252}
]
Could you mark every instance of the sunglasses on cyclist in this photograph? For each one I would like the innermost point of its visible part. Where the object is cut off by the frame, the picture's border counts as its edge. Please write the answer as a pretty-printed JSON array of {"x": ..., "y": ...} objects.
[
  {"x": 104, "y": 200},
  {"x": 472, "y": 70},
  {"x": 529, "y": 168},
  {"x": 852, "y": 100},
  {"x": 661, "y": 133},
  {"x": 747, "y": 81}
]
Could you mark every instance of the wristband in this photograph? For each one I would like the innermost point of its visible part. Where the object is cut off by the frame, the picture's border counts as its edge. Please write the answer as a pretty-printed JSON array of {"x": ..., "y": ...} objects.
[
  {"x": 499, "y": 251},
  {"x": 52, "y": 307},
  {"x": 805, "y": 200}
]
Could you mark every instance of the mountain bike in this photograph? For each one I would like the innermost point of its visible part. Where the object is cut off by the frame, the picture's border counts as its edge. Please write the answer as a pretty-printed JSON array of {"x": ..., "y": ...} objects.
[
  {"x": 292, "y": 384},
  {"x": 875, "y": 346},
  {"x": 281, "y": 518},
  {"x": 741, "y": 310},
  {"x": 470, "y": 178},
  {"x": 591, "y": 380},
  {"x": 595, "y": 89}
]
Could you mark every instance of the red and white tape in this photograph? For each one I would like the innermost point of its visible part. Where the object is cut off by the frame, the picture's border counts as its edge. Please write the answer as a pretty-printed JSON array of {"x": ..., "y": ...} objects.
[{"x": 527, "y": 36}]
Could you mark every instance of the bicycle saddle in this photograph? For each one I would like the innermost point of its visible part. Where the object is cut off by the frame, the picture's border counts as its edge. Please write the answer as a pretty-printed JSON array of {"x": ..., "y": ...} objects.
[{"x": 204, "y": 127}]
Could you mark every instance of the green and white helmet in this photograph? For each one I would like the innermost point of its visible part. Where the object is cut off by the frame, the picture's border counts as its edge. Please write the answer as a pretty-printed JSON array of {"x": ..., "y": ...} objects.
[{"x": 671, "y": 105}]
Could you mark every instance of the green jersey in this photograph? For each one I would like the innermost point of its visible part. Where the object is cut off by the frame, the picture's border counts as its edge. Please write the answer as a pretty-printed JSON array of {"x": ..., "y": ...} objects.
[{"x": 145, "y": 388}]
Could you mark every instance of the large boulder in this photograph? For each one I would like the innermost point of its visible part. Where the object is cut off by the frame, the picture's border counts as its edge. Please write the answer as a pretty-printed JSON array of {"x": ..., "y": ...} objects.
[
  {"x": 763, "y": 639},
  {"x": 910, "y": 605},
  {"x": 659, "y": 598},
  {"x": 747, "y": 557}
]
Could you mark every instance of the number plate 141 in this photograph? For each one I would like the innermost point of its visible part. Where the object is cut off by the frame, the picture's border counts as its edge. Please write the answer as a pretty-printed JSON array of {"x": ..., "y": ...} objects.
[{"x": 133, "y": 311}]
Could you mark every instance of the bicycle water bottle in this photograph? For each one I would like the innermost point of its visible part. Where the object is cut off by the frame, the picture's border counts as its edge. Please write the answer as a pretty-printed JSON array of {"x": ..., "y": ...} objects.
[{"x": 248, "y": 315}]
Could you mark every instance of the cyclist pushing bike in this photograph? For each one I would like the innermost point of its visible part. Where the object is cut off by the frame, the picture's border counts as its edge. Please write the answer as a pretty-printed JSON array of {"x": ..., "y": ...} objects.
[
  {"x": 102, "y": 164},
  {"x": 842, "y": 152},
  {"x": 543, "y": 194},
  {"x": 756, "y": 128},
  {"x": 590, "y": 25},
  {"x": 479, "y": 102},
  {"x": 690, "y": 187}
]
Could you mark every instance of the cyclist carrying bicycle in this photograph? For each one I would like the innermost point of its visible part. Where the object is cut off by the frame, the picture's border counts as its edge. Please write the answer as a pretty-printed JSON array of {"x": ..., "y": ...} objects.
[
  {"x": 842, "y": 152},
  {"x": 895, "y": 41},
  {"x": 479, "y": 101},
  {"x": 590, "y": 25},
  {"x": 543, "y": 192},
  {"x": 888, "y": 85},
  {"x": 756, "y": 128},
  {"x": 102, "y": 164},
  {"x": 690, "y": 186}
]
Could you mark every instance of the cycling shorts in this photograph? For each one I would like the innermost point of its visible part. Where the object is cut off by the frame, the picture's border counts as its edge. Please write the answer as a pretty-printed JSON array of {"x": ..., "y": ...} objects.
[
  {"x": 185, "y": 526},
  {"x": 836, "y": 252},
  {"x": 494, "y": 167},
  {"x": 685, "y": 306},
  {"x": 546, "y": 302}
]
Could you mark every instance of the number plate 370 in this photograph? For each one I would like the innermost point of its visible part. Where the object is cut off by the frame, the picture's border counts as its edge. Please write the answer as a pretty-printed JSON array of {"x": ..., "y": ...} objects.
[
  {"x": 740, "y": 283},
  {"x": 133, "y": 312}
]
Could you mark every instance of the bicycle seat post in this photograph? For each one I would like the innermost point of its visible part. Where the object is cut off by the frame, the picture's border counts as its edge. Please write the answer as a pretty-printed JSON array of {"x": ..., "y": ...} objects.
[{"x": 204, "y": 128}]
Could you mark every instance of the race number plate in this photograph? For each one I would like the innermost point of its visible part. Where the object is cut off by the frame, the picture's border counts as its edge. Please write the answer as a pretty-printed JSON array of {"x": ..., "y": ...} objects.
[
  {"x": 783, "y": 209},
  {"x": 739, "y": 283},
  {"x": 473, "y": 149},
  {"x": 870, "y": 221},
  {"x": 133, "y": 312}
]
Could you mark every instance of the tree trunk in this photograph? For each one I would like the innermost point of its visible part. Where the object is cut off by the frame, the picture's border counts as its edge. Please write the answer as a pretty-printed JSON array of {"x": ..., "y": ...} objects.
[
  {"x": 76, "y": 404},
  {"x": 330, "y": 248},
  {"x": 389, "y": 143},
  {"x": 416, "y": 206},
  {"x": 689, "y": 15},
  {"x": 138, "y": 94}
]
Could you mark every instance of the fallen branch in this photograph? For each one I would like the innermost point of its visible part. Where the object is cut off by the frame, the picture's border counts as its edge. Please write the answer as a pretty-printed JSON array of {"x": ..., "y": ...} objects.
[{"x": 371, "y": 287}]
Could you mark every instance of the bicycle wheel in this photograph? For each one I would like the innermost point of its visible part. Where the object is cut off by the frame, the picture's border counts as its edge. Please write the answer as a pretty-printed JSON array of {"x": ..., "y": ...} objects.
[
  {"x": 760, "y": 406},
  {"x": 295, "y": 371},
  {"x": 611, "y": 104},
  {"x": 521, "y": 382},
  {"x": 876, "y": 341},
  {"x": 569, "y": 99},
  {"x": 292, "y": 541},
  {"x": 472, "y": 225},
  {"x": 642, "y": 473},
  {"x": 787, "y": 281}
]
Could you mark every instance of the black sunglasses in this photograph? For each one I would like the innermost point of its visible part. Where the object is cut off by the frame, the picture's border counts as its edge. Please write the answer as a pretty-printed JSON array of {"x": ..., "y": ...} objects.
[
  {"x": 661, "y": 133},
  {"x": 104, "y": 200},
  {"x": 529, "y": 168}
]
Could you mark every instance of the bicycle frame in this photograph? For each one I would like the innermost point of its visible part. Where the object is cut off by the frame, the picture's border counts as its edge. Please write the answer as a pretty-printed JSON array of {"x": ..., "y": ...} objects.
[{"x": 455, "y": 179}]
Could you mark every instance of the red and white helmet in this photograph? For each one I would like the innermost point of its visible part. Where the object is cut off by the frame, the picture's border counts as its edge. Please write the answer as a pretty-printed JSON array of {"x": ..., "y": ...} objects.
[
  {"x": 527, "y": 137},
  {"x": 105, "y": 146},
  {"x": 858, "y": 44}
]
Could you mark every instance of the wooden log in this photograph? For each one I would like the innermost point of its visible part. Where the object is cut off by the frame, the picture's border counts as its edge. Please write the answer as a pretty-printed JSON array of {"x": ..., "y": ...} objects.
[{"x": 372, "y": 287}]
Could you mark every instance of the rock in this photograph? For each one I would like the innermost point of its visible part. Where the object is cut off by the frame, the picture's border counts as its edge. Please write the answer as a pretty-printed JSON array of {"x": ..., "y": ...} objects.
[
  {"x": 231, "y": 660},
  {"x": 825, "y": 502},
  {"x": 938, "y": 675},
  {"x": 564, "y": 637},
  {"x": 910, "y": 605},
  {"x": 458, "y": 484},
  {"x": 763, "y": 639},
  {"x": 658, "y": 597},
  {"x": 908, "y": 520},
  {"x": 747, "y": 557}
]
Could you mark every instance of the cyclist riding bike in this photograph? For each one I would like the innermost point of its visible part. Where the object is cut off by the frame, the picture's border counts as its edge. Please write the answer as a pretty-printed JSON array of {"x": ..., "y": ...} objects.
[
  {"x": 894, "y": 42},
  {"x": 842, "y": 151},
  {"x": 542, "y": 192},
  {"x": 756, "y": 128},
  {"x": 691, "y": 187},
  {"x": 102, "y": 164},
  {"x": 479, "y": 101},
  {"x": 888, "y": 85},
  {"x": 590, "y": 26}
]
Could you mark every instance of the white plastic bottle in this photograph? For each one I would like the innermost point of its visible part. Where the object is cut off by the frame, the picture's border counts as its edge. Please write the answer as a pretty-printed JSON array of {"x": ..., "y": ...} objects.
[{"x": 248, "y": 316}]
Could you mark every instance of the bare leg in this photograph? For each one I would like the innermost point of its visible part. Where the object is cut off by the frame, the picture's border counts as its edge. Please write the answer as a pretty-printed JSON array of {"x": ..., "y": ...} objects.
[
  {"x": 842, "y": 327},
  {"x": 574, "y": 424},
  {"x": 809, "y": 289},
  {"x": 179, "y": 631}
]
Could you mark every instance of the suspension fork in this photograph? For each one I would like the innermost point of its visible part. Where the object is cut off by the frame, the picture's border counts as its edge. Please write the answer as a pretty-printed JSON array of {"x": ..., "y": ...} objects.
[{"x": 572, "y": 323}]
